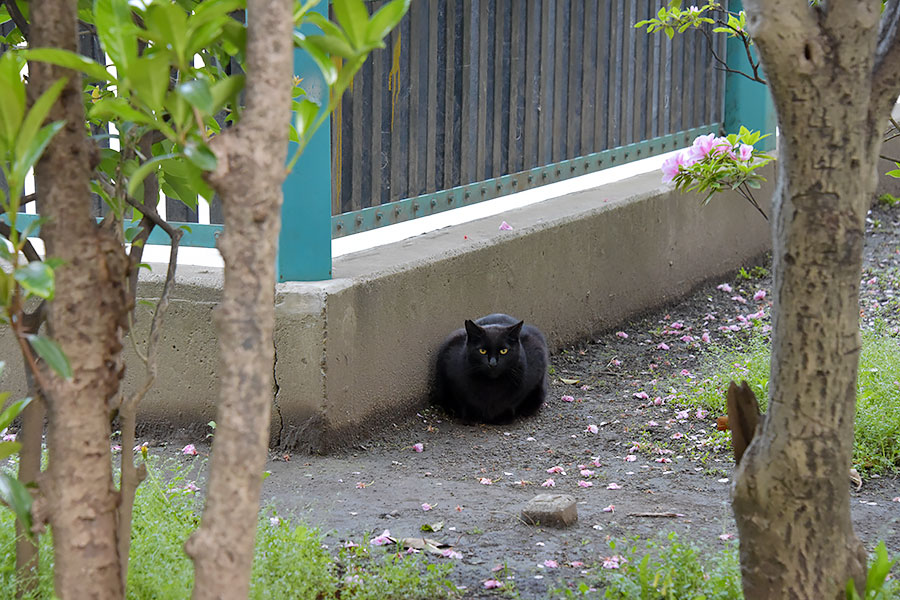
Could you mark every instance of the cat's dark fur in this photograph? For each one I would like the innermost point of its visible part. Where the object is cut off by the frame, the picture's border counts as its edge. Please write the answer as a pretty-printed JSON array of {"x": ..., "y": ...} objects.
[{"x": 477, "y": 382}]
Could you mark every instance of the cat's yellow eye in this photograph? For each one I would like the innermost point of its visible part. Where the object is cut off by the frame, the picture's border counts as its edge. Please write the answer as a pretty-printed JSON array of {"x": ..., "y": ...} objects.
[
  {"x": 504, "y": 350},
  {"x": 482, "y": 351}
]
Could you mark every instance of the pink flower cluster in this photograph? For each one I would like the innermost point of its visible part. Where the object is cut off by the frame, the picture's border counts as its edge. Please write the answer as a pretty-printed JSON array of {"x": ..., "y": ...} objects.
[{"x": 701, "y": 148}]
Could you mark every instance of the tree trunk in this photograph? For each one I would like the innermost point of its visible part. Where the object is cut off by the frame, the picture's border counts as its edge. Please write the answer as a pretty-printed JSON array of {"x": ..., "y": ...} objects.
[
  {"x": 248, "y": 178},
  {"x": 87, "y": 317},
  {"x": 791, "y": 495}
]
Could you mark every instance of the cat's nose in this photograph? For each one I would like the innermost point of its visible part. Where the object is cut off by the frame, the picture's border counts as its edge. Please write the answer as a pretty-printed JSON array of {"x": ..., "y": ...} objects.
[{"x": 493, "y": 361}]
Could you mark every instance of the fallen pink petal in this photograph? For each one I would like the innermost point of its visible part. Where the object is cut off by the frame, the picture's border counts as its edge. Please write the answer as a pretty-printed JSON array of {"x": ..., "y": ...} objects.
[
  {"x": 614, "y": 486},
  {"x": 504, "y": 226},
  {"x": 586, "y": 473},
  {"x": 610, "y": 508},
  {"x": 662, "y": 346},
  {"x": 493, "y": 584},
  {"x": 418, "y": 447},
  {"x": 381, "y": 540},
  {"x": 568, "y": 399},
  {"x": 485, "y": 481},
  {"x": 612, "y": 562},
  {"x": 551, "y": 564},
  {"x": 724, "y": 287},
  {"x": 641, "y": 395},
  {"x": 760, "y": 295},
  {"x": 585, "y": 484},
  {"x": 426, "y": 507},
  {"x": 630, "y": 458},
  {"x": 450, "y": 553},
  {"x": 593, "y": 428},
  {"x": 726, "y": 536},
  {"x": 549, "y": 483},
  {"x": 189, "y": 450},
  {"x": 622, "y": 335},
  {"x": 556, "y": 469}
]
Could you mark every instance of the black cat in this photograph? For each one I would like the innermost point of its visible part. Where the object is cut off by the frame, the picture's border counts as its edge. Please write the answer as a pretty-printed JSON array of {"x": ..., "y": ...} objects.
[{"x": 493, "y": 370}]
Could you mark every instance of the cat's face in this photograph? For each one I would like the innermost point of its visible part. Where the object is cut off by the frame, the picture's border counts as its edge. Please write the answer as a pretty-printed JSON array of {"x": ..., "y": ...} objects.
[{"x": 493, "y": 349}]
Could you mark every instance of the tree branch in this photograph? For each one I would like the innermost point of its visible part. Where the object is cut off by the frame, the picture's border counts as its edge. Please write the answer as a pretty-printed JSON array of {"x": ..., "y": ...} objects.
[
  {"x": 17, "y": 17},
  {"x": 28, "y": 250}
]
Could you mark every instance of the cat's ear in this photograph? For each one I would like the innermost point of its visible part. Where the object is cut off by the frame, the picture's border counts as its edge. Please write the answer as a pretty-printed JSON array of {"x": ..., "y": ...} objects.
[
  {"x": 473, "y": 330},
  {"x": 514, "y": 330}
]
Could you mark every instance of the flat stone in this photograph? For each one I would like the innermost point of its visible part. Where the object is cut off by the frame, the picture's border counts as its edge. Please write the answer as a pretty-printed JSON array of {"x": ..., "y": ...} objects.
[{"x": 552, "y": 510}]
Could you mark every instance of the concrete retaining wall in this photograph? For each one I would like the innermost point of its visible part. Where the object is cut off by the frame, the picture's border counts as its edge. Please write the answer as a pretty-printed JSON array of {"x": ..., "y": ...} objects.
[{"x": 355, "y": 352}]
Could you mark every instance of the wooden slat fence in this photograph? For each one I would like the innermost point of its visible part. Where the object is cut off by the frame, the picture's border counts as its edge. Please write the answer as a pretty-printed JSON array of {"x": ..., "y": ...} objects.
[{"x": 472, "y": 90}]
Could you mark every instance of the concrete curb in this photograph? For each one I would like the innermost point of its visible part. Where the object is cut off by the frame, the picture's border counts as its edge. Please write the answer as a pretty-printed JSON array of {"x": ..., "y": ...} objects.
[{"x": 355, "y": 353}]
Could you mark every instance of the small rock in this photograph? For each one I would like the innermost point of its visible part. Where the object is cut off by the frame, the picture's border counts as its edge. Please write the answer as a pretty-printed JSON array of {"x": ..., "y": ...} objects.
[{"x": 552, "y": 510}]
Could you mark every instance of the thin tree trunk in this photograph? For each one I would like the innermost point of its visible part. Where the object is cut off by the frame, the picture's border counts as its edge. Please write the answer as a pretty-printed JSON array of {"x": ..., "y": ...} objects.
[
  {"x": 791, "y": 496},
  {"x": 248, "y": 178},
  {"x": 87, "y": 315}
]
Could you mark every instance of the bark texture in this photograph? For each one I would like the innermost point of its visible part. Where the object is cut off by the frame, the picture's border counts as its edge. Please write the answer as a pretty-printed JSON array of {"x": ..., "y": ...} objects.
[
  {"x": 791, "y": 498},
  {"x": 248, "y": 178},
  {"x": 86, "y": 316}
]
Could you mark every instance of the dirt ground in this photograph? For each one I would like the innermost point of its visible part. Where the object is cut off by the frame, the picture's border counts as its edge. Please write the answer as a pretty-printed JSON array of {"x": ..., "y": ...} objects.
[{"x": 477, "y": 478}]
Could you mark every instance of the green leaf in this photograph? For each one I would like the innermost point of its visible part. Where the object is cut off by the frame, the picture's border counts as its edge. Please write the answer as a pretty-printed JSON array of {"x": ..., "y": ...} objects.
[
  {"x": 146, "y": 169},
  {"x": 670, "y": 31},
  {"x": 182, "y": 172},
  {"x": 52, "y": 355},
  {"x": 149, "y": 78},
  {"x": 333, "y": 45},
  {"x": 12, "y": 98},
  {"x": 35, "y": 117},
  {"x": 37, "y": 279},
  {"x": 200, "y": 155},
  {"x": 118, "y": 109},
  {"x": 319, "y": 55},
  {"x": 7, "y": 449},
  {"x": 69, "y": 60},
  {"x": 879, "y": 569},
  {"x": 167, "y": 25},
  {"x": 17, "y": 497},
  {"x": 385, "y": 19},
  {"x": 226, "y": 90},
  {"x": 197, "y": 94},
  {"x": 130, "y": 232},
  {"x": 117, "y": 32},
  {"x": 354, "y": 19},
  {"x": 304, "y": 116},
  {"x": 34, "y": 150},
  {"x": 12, "y": 411}
]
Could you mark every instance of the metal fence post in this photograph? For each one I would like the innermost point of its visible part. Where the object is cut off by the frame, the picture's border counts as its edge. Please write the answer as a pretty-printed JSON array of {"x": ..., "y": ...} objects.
[
  {"x": 304, "y": 245},
  {"x": 747, "y": 102}
]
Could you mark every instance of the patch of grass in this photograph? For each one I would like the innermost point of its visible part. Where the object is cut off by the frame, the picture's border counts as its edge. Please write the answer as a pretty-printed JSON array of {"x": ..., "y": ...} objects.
[
  {"x": 290, "y": 560},
  {"x": 888, "y": 200},
  {"x": 670, "y": 569},
  {"x": 661, "y": 569},
  {"x": 877, "y": 422}
]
